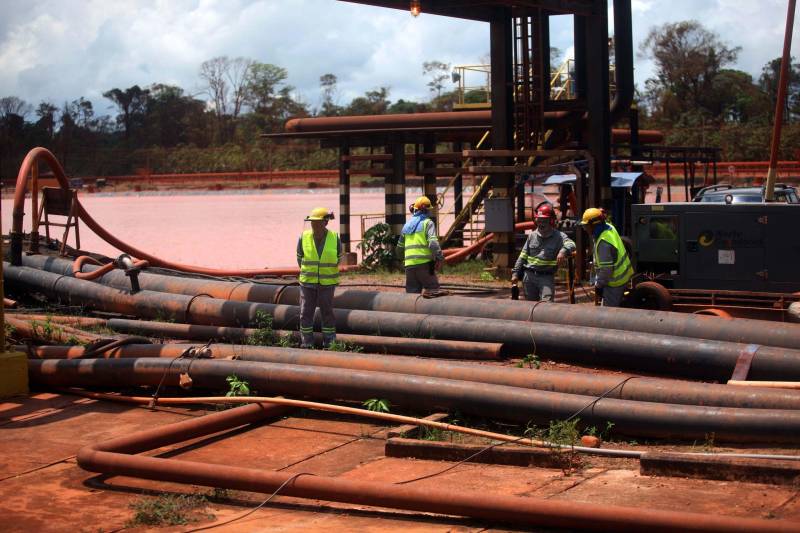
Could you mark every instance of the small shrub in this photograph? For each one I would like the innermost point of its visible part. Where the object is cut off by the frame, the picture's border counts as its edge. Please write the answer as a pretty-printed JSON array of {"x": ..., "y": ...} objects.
[
  {"x": 237, "y": 387},
  {"x": 378, "y": 246},
  {"x": 531, "y": 360},
  {"x": 264, "y": 334},
  {"x": 378, "y": 405}
]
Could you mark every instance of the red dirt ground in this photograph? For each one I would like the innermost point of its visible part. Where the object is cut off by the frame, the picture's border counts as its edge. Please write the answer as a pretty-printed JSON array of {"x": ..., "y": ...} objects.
[{"x": 42, "y": 489}]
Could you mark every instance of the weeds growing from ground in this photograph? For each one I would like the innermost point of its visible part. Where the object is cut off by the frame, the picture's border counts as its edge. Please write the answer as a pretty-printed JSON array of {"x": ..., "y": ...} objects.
[
  {"x": 379, "y": 405},
  {"x": 531, "y": 360},
  {"x": 343, "y": 346},
  {"x": 237, "y": 387},
  {"x": 264, "y": 335},
  {"x": 168, "y": 510}
]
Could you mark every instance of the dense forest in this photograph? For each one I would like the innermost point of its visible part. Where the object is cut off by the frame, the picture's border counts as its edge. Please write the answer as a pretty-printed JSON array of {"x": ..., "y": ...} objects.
[{"x": 695, "y": 97}]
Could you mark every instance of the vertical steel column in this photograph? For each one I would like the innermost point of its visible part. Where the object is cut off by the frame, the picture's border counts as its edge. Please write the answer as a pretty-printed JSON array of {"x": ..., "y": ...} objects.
[
  {"x": 395, "y": 190},
  {"x": 581, "y": 239},
  {"x": 34, "y": 247},
  {"x": 344, "y": 194},
  {"x": 458, "y": 196},
  {"x": 597, "y": 101},
  {"x": 501, "y": 42},
  {"x": 669, "y": 181},
  {"x": 429, "y": 177}
]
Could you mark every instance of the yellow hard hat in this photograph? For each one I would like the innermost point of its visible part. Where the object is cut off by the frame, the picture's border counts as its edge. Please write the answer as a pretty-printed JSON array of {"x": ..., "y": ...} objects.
[
  {"x": 320, "y": 213},
  {"x": 422, "y": 203},
  {"x": 593, "y": 215}
]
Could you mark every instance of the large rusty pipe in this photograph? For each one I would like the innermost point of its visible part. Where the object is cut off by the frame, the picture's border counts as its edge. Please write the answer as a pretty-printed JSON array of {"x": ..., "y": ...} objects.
[
  {"x": 617, "y": 386},
  {"x": 645, "y": 321},
  {"x": 466, "y": 119},
  {"x": 516, "y": 404},
  {"x": 112, "y": 457},
  {"x": 612, "y": 348},
  {"x": 370, "y": 343}
]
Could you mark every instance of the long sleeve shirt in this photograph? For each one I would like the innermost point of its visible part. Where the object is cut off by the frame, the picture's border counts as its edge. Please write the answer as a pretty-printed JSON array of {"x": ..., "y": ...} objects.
[
  {"x": 544, "y": 248},
  {"x": 433, "y": 243}
]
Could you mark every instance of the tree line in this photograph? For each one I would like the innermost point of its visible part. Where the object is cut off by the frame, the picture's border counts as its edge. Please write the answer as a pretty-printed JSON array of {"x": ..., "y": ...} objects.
[{"x": 695, "y": 97}]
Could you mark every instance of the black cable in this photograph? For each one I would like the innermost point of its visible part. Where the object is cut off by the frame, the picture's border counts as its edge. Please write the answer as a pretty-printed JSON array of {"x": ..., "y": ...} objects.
[
  {"x": 606, "y": 393},
  {"x": 486, "y": 449},
  {"x": 193, "y": 352},
  {"x": 253, "y": 510}
]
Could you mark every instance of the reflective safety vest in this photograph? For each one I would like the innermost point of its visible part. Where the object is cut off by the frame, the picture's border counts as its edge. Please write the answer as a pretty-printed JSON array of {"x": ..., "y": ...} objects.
[
  {"x": 416, "y": 249},
  {"x": 621, "y": 269},
  {"x": 320, "y": 270}
]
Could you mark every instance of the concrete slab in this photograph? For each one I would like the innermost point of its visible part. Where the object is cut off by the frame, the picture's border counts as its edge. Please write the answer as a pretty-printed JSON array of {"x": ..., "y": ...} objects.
[{"x": 626, "y": 487}]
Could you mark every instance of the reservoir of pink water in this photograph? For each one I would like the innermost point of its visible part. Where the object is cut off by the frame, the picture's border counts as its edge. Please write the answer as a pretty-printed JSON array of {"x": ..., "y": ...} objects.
[{"x": 250, "y": 229}]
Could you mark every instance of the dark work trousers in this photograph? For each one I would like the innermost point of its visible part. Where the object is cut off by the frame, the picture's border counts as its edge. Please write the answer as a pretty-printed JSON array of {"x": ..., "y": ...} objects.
[
  {"x": 538, "y": 287},
  {"x": 612, "y": 296},
  {"x": 311, "y": 297},
  {"x": 420, "y": 277}
]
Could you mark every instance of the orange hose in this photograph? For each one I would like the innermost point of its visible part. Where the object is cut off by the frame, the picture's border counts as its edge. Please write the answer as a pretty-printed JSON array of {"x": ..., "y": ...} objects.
[
  {"x": 80, "y": 261},
  {"x": 47, "y": 157},
  {"x": 713, "y": 311},
  {"x": 477, "y": 246}
]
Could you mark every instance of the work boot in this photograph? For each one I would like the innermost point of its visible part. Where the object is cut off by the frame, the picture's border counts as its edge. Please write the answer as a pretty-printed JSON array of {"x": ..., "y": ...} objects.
[
  {"x": 306, "y": 340},
  {"x": 327, "y": 339}
]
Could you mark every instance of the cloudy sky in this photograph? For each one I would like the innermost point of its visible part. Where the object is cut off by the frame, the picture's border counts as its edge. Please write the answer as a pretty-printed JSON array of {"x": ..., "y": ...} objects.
[{"x": 59, "y": 50}]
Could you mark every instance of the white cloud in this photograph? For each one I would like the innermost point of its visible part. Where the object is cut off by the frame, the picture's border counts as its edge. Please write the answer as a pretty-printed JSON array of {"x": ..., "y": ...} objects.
[{"x": 59, "y": 50}]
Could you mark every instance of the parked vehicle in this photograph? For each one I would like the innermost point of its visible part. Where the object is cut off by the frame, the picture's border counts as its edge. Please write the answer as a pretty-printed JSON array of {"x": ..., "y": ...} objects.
[{"x": 724, "y": 193}]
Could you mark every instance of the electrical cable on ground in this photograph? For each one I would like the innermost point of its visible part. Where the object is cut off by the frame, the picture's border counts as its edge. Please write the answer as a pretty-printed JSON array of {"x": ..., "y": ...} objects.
[{"x": 251, "y": 511}]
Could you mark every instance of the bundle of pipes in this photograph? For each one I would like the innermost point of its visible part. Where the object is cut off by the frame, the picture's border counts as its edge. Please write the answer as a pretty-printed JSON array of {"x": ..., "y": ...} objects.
[
  {"x": 617, "y": 386},
  {"x": 589, "y": 345},
  {"x": 502, "y": 402},
  {"x": 180, "y": 332},
  {"x": 632, "y": 320}
]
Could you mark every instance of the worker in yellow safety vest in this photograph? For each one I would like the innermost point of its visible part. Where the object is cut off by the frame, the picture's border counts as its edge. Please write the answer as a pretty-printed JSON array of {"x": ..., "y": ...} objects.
[
  {"x": 318, "y": 253},
  {"x": 419, "y": 249},
  {"x": 612, "y": 265}
]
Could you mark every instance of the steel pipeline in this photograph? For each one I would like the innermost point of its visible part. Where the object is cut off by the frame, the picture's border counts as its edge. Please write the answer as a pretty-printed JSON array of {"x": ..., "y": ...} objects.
[
  {"x": 370, "y": 343},
  {"x": 612, "y": 348},
  {"x": 113, "y": 457},
  {"x": 494, "y": 401},
  {"x": 617, "y": 386},
  {"x": 638, "y": 320}
]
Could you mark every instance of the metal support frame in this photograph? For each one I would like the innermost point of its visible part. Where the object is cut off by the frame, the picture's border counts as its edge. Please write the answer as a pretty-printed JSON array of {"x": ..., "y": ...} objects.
[
  {"x": 429, "y": 178},
  {"x": 344, "y": 194},
  {"x": 501, "y": 42},
  {"x": 395, "y": 187}
]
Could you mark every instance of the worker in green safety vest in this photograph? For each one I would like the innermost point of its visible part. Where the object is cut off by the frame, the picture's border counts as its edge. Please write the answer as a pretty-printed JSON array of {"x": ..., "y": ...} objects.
[
  {"x": 613, "y": 268},
  {"x": 419, "y": 249},
  {"x": 318, "y": 253}
]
